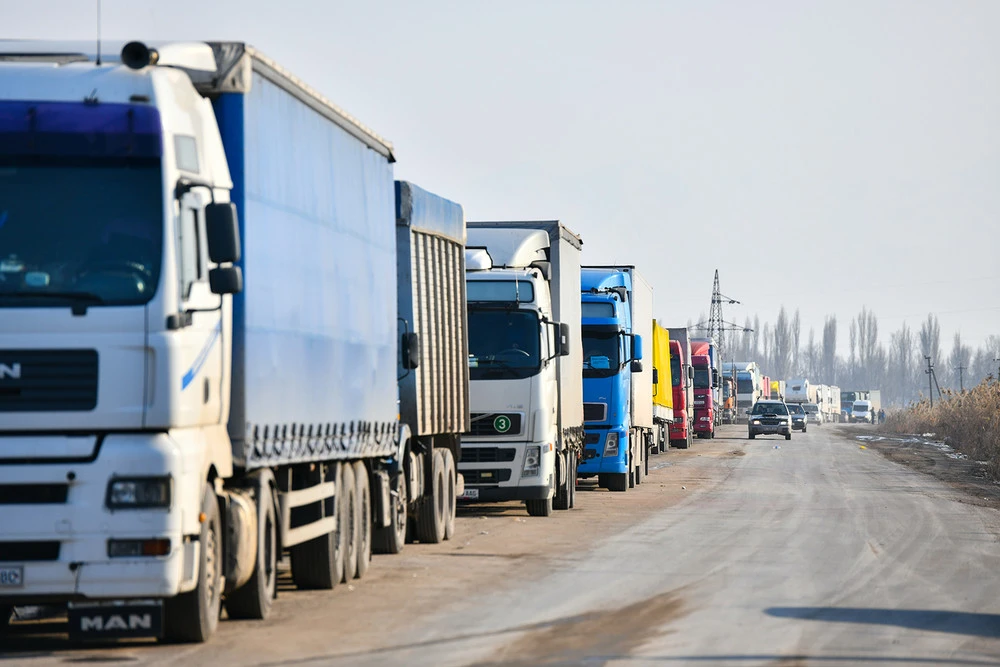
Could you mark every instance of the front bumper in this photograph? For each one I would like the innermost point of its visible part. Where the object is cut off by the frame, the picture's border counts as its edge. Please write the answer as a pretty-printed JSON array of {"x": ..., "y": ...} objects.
[
  {"x": 67, "y": 542},
  {"x": 488, "y": 465},
  {"x": 593, "y": 461},
  {"x": 768, "y": 429}
]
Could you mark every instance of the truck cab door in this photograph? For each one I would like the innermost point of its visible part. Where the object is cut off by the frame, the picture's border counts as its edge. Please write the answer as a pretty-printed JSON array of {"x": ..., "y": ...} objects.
[{"x": 200, "y": 319}]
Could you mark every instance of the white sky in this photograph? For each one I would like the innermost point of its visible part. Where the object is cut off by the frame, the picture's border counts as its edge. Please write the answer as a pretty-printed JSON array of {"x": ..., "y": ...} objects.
[{"x": 822, "y": 155}]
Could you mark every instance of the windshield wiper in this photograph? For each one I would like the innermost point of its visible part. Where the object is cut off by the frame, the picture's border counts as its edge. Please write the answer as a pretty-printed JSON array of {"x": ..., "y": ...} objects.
[
  {"x": 80, "y": 300},
  {"x": 72, "y": 296}
]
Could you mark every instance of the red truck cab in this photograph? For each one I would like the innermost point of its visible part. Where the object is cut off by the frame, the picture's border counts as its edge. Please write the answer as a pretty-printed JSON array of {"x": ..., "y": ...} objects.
[
  {"x": 704, "y": 408},
  {"x": 680, "y": 431}
]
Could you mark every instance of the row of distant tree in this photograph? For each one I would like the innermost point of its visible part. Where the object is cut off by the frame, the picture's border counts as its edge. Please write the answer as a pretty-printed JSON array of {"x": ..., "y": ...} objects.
[{"x": 898, "y": 369}]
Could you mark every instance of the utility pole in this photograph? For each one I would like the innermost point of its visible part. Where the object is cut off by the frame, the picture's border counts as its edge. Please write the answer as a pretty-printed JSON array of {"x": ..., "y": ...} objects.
[{"x": 930, "y": 379}]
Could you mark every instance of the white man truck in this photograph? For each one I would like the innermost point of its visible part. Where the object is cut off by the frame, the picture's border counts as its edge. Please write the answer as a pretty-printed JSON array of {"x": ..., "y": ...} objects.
[
  {"x": 200, "y": 370},
  {"x": 525, "y": 361}
]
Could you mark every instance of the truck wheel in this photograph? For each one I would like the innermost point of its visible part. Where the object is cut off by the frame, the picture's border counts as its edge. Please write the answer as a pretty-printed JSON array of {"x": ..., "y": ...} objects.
[
  {"x": 539, "y": 507},
  {"x": 253, "y": 599},
  {"x": 6, "y": 615},
  {"x": 603, "y": 480},
  {"x": 639, "y": 469},
  {"x": 572, "y": 485},
  {"x": 562, "y": 498},
  {"x": 685, "y": 443},
  {"x": 712, "y": 436},
  {"x": 392, "y": 538},
  {"x": 364, "y": 505},
  {"x": 431, "y": 518},
  {"x": 193, "y": 616},
  {"x": 319, "y": 563},
  {"x": 348, "y": 519},
  {"x": 451, "y": 498},
  {"x": 618, "y": 482}
]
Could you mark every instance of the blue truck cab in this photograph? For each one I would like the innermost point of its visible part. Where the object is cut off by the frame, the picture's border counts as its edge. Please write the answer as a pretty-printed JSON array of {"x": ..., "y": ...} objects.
[{"x": 612, "y": 353}]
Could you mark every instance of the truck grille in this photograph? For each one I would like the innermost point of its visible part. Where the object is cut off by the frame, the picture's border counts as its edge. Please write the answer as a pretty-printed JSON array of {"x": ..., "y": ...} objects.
[
  {"x": 48, "y": 380},
  {"x": 12, "y": 552},
  {"x": 486, "y": 476},
  {"x": 495, "y": 423},
  {"x": 488, "y": 454},
  {"x": 33, "y": 494},
  {"x": 595, "y": 412}
]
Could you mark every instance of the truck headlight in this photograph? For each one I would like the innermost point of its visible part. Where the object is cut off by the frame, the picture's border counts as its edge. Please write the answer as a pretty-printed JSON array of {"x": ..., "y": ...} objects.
[
  {"x": 611, "y": 444},
  {"x": 138, "y": 493},
  {"x": 532, "y": 459}
]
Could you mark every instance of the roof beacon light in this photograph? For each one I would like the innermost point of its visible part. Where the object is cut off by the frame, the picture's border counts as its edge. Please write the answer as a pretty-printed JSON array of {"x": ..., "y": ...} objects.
[{"x": 137, "y": 55}]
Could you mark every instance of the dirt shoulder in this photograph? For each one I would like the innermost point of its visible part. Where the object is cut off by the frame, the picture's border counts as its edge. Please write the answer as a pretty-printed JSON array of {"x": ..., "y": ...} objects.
[
  {"x": 494, "y": 544},
  {"x": 931, "y": 457}
]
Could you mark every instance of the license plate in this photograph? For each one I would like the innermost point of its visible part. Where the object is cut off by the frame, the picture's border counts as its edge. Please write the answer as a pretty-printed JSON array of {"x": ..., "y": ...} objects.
[
  {"x": 116, "y": 621},
  {"x": 11, "y": 577},
  {"x": 470, "y": 494}
]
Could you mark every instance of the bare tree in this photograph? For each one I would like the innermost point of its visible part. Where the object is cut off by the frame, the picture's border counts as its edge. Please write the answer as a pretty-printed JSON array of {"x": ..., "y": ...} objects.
[
  {"x": 796, "y": 333},
  {"x": 813, "y": 355},
  {"x": 930, "y": 338},
  {"x": 830, "y": 348},
  {"x": 958, "y": 362}
]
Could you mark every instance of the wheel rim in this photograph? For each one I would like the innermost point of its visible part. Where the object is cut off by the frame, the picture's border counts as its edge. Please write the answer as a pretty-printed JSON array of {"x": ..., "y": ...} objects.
[
  {"x": 211, "y": 563},
  {"x": 400, "y": 510}
]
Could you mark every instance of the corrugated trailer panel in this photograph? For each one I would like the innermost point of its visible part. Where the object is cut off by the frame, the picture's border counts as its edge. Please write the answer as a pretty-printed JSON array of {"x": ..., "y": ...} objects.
[
  {"x": 642, "y": 324},
  {"x": 314, "y": 343},
  {"x": 430, "y": 238}
]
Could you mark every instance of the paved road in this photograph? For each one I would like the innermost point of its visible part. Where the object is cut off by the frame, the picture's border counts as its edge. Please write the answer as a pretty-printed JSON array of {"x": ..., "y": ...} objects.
[{"x": 807, "y": 552}]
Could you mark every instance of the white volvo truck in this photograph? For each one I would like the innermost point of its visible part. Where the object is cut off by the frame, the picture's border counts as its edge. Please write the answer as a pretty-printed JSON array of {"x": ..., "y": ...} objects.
[
  {"x": 199, "y": 355},
  {"x": 525, "y": 356}
]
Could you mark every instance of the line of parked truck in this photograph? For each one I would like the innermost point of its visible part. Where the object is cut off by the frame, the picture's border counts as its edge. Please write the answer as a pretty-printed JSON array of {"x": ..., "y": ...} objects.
[
  {"x": 820, "y": 403},
  {"x": 234, "y": 337}
]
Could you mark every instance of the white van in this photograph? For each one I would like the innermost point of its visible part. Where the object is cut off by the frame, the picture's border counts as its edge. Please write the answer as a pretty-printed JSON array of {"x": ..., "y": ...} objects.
[{"x": 861, "y": 412}]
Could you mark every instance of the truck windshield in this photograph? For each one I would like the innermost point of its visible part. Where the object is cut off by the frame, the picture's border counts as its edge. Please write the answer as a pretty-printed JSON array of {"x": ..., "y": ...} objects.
[
  {"x": 702, "y": 378},
  {"x": 744, "y": 384},
  {"x": 72, "y": 232},
  {"x": 601, "y": 353},
  {"x": 503, "y": 344},
  {"x": 675, "y": 371}
]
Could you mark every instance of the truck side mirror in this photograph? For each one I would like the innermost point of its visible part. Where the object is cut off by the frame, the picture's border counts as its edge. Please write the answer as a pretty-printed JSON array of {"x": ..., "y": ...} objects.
[
  {"x": 637, "y": 347},
  {"x": 410, "y": 349},
  {"x": 635, "y": 366},
  {"x": 715, "y": 377},
  {"x": 562, "y": 340},
  {"x": 223, "y": 233},
  {"x": 225, "y": 280},
  {"x": 690, "y": 372},
  {"x": 656, "y": 376}
]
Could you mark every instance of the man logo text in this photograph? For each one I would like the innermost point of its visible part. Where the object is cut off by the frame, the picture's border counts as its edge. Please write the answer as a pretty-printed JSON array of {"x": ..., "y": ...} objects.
[
  {"x": 116, "y": 622},
  {"x": 12, "y": 371}
]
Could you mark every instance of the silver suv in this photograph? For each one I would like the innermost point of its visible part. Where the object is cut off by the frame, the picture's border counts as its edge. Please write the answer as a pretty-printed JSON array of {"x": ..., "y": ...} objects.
[{"x": 769, "y": 418}]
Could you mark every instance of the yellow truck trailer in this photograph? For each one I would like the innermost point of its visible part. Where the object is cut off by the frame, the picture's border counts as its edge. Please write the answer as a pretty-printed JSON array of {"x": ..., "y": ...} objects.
[{"x": 663, "y": 387}]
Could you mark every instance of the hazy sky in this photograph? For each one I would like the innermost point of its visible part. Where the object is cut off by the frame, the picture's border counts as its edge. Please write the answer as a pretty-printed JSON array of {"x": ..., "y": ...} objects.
[{"x": 822, "y": 155}]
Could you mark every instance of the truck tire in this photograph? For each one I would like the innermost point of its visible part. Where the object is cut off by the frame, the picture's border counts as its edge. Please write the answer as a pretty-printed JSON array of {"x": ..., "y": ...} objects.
[
  {"x": 630, "y": 466},
  {"x": 572, "y": 486},
  {"x": 193, "y": 616},
  {"x": 618, "y": 482},
  {"x": 253, "y": 599},
  {"x": 685, "y": 443},
  {"x": 433, "y": 506},
  {"x": 451, "y": 497},
  {"x": 392, "y": 538},
  {"x": 539, "y": 507},
  {"x": 562, "y": 499},
  {"x": 362, "y": 488},
  {"x": 348, "y": 519},
  {"x": 319, "y": 563},
  {"x": 6, "y": 616},
  {"x": 641, "y": 467}
]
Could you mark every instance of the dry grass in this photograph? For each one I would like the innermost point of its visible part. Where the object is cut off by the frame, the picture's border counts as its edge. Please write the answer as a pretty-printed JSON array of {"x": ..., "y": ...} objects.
[{"x": 969, "y": 422}]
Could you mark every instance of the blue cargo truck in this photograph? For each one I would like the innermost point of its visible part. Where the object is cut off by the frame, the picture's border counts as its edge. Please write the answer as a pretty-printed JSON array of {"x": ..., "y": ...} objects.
[
  {"x": 617, "y": 316},
  {"x": 203, "y": 369}
]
